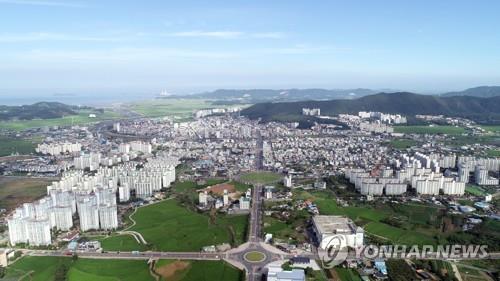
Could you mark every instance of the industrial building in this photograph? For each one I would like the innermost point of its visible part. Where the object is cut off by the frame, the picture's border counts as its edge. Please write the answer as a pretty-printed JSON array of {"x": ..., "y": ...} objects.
[{"x": 326, "y": 227}]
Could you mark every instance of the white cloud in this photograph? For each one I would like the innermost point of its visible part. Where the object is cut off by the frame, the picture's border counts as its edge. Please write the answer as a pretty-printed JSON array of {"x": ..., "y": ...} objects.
[
  {"x": 68, "y": 4},
  {"x": 269, "y": 35},
  {"x": 47, "y": 36},
  {"x": 214, "y": 34},
  {"x": 119, "y": 55},
  {"x": 229, "y": 34}
]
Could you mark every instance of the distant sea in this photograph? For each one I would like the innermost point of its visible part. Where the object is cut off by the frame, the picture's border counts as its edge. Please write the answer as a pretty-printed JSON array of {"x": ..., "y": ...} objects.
[{"x": 73, "y": 99}]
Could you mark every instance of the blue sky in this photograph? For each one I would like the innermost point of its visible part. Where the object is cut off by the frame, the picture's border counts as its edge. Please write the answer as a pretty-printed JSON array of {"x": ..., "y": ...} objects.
[{"x": 51, "y": 46}]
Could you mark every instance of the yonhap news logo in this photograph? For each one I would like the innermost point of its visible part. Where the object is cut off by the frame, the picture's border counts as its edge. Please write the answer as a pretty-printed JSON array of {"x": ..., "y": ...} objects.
[{"x": 333, "y": 251}]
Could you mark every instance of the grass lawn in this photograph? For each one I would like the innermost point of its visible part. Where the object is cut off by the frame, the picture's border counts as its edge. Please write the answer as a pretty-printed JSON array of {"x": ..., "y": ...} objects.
[
  {"x": 260, "y": 177},
  {"x": 197, "y": 271},
  {"x": 121, "y": 243},
  {"x": 493, "y": 153},
  {"x": 44, "y": 268},
  {"x": 168, "y": 226},
  {"x": 181, "y": 108},
  {"x": 475, "y": 190},
  {"x": 254, "y": 256},
  {"x": 10, "y": 146},
  {"x": 79, "y": 119},
  {"x": 494, "y": 129},
  {"x": 402, "y": 143},
  {"x": 470, "y": 274},
  {"x": 346, "y": 274},
  {"x": 17, "y": 190},
  {"x": 449, "y": 130}
]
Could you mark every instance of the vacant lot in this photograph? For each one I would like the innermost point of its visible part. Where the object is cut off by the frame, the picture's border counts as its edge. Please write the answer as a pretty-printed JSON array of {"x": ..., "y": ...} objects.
[
  {"x": 169, "y": 226},
  {"x": 197, "y": 270},
  {"x": 17, "y": 190},
  {"x": 260, "y": 177},
  {"x": 44, "y": 268},
  {"x": 449, "y": 130}
]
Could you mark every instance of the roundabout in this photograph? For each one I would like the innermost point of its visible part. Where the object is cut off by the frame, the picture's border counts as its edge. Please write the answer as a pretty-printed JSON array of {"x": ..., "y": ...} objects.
[{"x": 254, "y": 256}]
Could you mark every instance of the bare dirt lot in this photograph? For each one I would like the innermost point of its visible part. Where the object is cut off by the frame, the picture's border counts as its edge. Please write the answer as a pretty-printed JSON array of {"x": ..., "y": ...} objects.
[{"x": 17, "y": 190}]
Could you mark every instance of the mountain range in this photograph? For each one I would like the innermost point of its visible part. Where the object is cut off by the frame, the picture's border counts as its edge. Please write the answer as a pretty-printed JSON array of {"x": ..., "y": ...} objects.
[
  {"x": 226, "y": 96},
  {"x": 482, "y": 91},
  {"x": 482, "y": 110},
  {"x": 269, "y": 95}
]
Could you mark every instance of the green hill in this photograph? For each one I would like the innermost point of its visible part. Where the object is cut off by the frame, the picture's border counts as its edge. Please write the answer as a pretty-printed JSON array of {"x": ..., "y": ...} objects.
[
  {"x": 40, "y": 110},
  {"x": 482, "y": 110}
]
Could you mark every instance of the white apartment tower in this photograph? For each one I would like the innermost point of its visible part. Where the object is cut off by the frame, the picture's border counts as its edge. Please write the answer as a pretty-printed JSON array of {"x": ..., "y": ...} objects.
[{"x": 108, "y": 217}]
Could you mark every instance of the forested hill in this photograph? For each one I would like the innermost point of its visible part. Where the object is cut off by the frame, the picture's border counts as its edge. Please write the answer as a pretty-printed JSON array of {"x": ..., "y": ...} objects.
[
  {"x": 479, "y": 109},
  {"x": 40, "y": 110}
]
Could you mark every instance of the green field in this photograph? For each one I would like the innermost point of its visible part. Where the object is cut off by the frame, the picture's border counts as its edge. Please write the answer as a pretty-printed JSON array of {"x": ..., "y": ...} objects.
[
  {"x": 44, "y": 268},
  {"x": 17, "y": 190},
  {"x": 493, "y": 153},
  {"x": 449, "y": 130},
  {"x": 180, "y": 108},
  {"x": 418, "y": 224},
  {"x": 346, "y": 274},
  {"x": 81, "y": 118},
  {"x": 260, "y": 177},
  {"x": 494, "y": 129},
  {"x": 121, "y": 243},
  {"x": 197, "y": 271},
  {"x": 475, "y": 190},
  {"x": 9, "y": 146},
  {"x": 402, "y": 143},
  {"x": 168, "y": 226}
]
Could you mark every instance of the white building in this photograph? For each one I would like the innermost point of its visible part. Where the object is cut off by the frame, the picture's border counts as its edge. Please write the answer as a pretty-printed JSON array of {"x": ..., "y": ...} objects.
[
  {"x": 124, "y": 192},
  {"x": 58, "y": 148},
  {"x": 244, "y": 203},
  {"x": 482, "y": 177},
  {"x": 17, "y": 230},
  {"x": 268, "y": 192},
  {"x": 108, "y": 217},
  {"x": 61, "y": 217},
  {"x": 276, "y": 273},
  {"x": 38, "y": 232},
  {"x": 89, "y": 214},
  {"x": 287, "y": 181},
  {"x": 463, "y": 173},
  {"x": 326, "y": 227},
  {"x": 28, "y": 229},
  {"x": 202, "y": 198},
  {"x": 225, "y": 198},
  {"x": 140, "y": 146},
  {"x": 124, "y": 148}
]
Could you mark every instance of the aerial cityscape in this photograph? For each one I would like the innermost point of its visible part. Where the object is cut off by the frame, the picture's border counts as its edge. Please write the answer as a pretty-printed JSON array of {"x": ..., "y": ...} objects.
[{"x": 266, "y": 140}]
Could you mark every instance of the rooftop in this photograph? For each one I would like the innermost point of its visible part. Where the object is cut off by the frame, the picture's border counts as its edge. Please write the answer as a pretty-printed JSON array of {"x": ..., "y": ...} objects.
[{"x": 335, "y": 225}]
